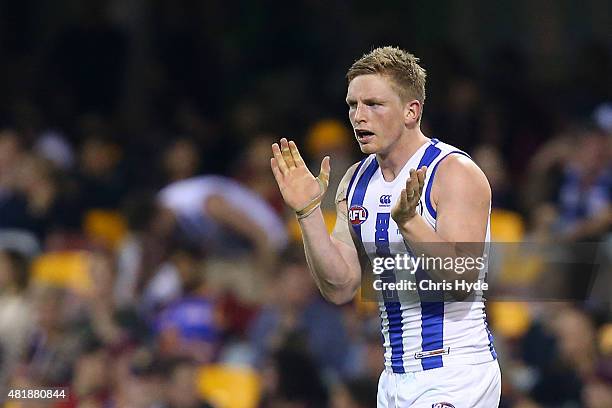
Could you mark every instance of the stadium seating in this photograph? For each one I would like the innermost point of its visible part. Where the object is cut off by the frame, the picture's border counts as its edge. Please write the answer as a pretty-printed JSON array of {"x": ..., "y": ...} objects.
[
  {"x": 293, "y": 227},
  {"x": 506, "y": 226},
  {"x": 65, "y": 269},
  {"x": 229, "y": 387},
  {"x": 105, "y": 227}
]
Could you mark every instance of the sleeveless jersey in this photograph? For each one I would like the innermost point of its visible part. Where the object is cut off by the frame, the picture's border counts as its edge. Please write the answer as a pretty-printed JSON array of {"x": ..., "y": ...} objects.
[{"x": 417, "y": 335}]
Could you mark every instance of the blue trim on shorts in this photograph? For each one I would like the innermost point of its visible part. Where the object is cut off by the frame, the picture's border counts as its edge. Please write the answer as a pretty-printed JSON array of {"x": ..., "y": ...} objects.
[{"x": 490, "y": 336}]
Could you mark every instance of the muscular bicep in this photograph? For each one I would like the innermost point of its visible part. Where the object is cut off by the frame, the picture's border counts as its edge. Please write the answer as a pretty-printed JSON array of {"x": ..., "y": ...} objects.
[{"x": 462, "y": 197}]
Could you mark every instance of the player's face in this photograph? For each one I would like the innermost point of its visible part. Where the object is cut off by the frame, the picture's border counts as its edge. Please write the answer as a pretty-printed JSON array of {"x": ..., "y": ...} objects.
[{"x": 376, "y": 112}]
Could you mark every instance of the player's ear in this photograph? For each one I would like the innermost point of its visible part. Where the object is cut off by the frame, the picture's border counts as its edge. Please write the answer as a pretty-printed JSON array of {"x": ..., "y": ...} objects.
[{"x": 412, "y": 112}]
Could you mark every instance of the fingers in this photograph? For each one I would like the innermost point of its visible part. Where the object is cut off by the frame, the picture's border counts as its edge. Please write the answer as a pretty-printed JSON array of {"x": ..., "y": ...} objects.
[
  {"x": 412, "y": 185},
  {"x": 416, "y": 181},
  {"x": 421, "y": 175},
  {"x": 325, "y": 170},
  {"x": 286, "y": 152},
  {"x": 404, "y": 199},
  {"x": 278, "y": 158},
  {"x": 410, "y": 195},
  {"x": 409, "y": 179},
  {"x": 421, "y": 178},
  {"x": 287, "y": 155},
  {"x": 278, "y": 175},
  {"x": 295, "y": 154}
]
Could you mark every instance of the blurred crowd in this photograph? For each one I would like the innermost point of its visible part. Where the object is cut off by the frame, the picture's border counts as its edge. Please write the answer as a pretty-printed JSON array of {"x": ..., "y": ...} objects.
[
  {"x": 140, "y": 296},
  {"x": 146, "y": 256}
]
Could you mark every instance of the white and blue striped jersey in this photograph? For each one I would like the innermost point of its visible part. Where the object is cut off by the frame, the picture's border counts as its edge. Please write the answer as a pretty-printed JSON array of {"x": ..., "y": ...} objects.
[{"x": 418, "y": 335}]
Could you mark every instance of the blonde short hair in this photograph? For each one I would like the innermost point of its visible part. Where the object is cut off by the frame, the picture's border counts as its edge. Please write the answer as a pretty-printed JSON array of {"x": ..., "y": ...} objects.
[{"x": 402, "y": 67}]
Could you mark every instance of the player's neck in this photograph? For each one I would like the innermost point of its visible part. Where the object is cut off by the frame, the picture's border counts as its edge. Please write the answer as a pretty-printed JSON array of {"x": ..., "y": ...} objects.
[{"x": 393, "y": 161}]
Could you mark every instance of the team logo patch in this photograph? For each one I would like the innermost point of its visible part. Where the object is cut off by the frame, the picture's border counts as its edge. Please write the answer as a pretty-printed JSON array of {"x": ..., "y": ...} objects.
[
  {"x": 385, "y": 200},
  {"x": 442, "y": 405},
  {"x": 357, "y": 215}
]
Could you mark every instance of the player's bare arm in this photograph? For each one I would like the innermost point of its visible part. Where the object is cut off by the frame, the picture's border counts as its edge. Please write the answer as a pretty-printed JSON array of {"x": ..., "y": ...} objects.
[
  {"x": 225, "y": 214},
  {"x": 461, "y": 197},
  {"x": 332, "y": 260}
]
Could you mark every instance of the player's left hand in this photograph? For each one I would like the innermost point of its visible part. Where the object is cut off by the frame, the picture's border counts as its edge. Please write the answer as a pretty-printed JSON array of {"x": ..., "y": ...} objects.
[
  {"x": 298, "y": 186},
  {"x": 405, "y": 207}
]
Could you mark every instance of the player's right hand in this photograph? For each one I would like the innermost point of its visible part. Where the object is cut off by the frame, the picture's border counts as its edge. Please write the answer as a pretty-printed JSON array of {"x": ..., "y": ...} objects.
[
  {"x": 406, "y": 205},
  {"x": 297, "y": 184}
]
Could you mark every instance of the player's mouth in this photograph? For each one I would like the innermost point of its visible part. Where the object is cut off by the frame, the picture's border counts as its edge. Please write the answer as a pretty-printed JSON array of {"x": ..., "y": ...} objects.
[{"x": 364, "y": 135}]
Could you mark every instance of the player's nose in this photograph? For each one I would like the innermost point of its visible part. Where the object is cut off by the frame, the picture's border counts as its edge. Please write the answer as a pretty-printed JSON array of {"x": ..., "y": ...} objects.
[{"x": 359, "y": 114}]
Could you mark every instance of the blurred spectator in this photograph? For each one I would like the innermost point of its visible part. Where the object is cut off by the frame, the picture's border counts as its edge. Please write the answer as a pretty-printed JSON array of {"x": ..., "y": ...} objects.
[
  {"x": 293, "y": 381},
  {"x": 11, "y": 150},
  {"x": 579, "y": 352},
  {"x": 99, "y": 179},
  {"x": 181, "y": 385},
  {"x": 220, "y": 214},
  {"x": 253, "y": 170},
  {"x": 575, "y": 180},
  {"x": 114, "y": 325},
  {"x": 16, "y": 322},
  {"x": 597, "y": 394},
  {"x": 603, "y": 117},
  {"x": 190, "y": 325},
  {"x": 141, "y": 251},
  {"x": 180, "y": 273},
  {"x": 57, "y": 342},
  {"x": 545, "y": 171},
  {"x": 365, "y": 356},
  {"x": 181, "y": 160},
  {"x": 561, "y": 362},
  {"x": 91, "y": 381},
  {"x": 584, "y": 202},
  {"x": 36, "y": 203},
  {"x": 490, "y": 160},
  {"x": 141, "y": 381},
  {"x": 300, "y": 317},
  {"x": 357, "y": 393},
  {"x": 54, "y": 147}
]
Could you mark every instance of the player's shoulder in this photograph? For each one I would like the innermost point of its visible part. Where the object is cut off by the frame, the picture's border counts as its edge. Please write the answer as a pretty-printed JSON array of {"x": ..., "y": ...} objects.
[
  {"x": 359, "y": 167},
  {"x": 351, "y": 170},
  {"x": 458, "y": 168}
]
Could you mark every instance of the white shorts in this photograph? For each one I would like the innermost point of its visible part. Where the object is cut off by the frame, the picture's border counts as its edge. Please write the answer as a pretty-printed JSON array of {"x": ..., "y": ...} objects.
[{"x": 464, "y": 386}]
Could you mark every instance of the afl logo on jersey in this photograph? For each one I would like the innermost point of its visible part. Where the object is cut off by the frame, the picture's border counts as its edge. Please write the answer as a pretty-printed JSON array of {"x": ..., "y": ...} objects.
[
  {"x": 357, "y": 215},
  {"x": 442, "y": 405}
]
